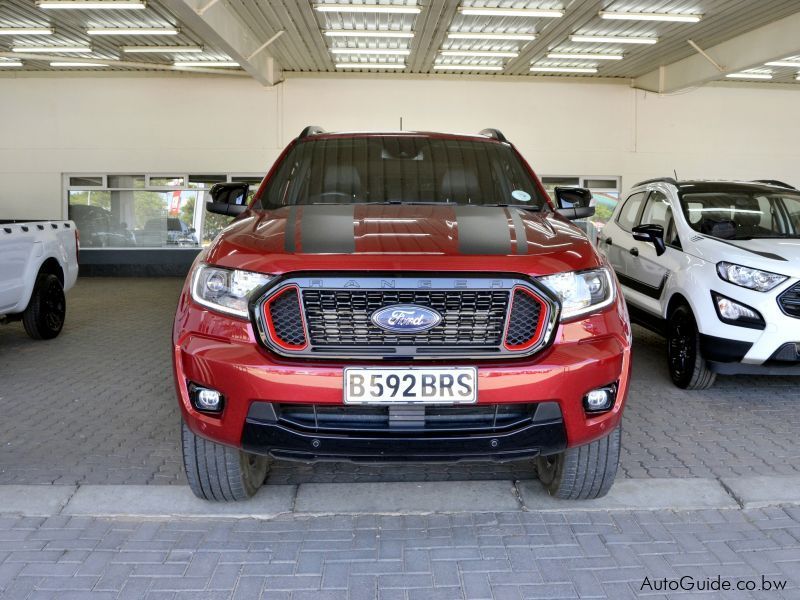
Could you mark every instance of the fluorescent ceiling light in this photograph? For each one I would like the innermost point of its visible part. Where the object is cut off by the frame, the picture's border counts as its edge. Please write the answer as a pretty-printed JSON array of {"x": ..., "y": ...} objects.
[
  {"x": 563, "y": 69},
  {"x": 160, "y": 49},
  {"x": 94, "y": 5},
  {"x": 749, "y": 75},
  {"x": 511, "y": 12},
  {"x": 10, "y": 63},
  {"x": 370, "y": 66},
  {"x": 479, "y": 53},
  {"x": 134, "y": 31},
  {"x": 783, "y": 63},
  {"x": 370, "y": 33},
  {"x": 51, "y": 49},
  {"x": 369, "y": 51},
  {"x": 465, "y": 35},
  {"x": 467, "y": 68},
  {"x": 578, "y": 56},
  {"x": 798, "y": 77},
  {"x": 76, "y": 64},
  {"x": 612, "y": 39},
  {"x": 26, "y": 31},
  {"x": 206, "y": 63},
  {"x": 636, "y": 16},
  {"x": 369, "y": 8}
]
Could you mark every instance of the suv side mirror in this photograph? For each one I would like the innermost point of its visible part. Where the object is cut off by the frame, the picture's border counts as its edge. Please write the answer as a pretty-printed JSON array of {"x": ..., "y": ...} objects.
[
  {"x": 651, "y": 233},
  {"x": 573, "y": 203},
  {"x": 228, "y": 199}
]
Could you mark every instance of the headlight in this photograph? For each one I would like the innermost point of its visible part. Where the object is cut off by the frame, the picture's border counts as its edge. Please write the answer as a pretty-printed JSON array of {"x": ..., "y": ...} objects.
[
  {"x": 225, "y": 290},
  {"x": 581, "y": 292},
  {"x": 752, "y": 279}
]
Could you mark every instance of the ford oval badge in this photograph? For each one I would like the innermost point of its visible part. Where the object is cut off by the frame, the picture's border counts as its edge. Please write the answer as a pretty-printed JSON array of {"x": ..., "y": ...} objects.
[{"x": 406, "y": 318}]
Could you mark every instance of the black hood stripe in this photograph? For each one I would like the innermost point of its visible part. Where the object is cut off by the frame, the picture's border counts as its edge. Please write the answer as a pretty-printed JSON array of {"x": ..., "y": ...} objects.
[
  {"x": 291, "y": 228},
  {"x": 328, "y": 229},
  {"x": 519, "y": 230},
  {"x": 483, "y": 230}
]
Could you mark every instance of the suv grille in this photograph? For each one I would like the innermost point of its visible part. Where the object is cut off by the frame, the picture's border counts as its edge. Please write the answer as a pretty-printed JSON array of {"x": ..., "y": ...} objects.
[
  {"x": 790, "y": 301},
  {"x": 342, "y": 317},
  {"x": 286, "y": 319},
  {"x": 525, "y": 313}
]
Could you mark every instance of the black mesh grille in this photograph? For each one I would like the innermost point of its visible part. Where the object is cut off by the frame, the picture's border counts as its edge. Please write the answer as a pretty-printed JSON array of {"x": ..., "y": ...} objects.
[
  {"x": 286, "y": 319},
  {"x": 341, "y": 318},
  {"x": 790, "y": 301},
  {"x": 525, "y": 313}
]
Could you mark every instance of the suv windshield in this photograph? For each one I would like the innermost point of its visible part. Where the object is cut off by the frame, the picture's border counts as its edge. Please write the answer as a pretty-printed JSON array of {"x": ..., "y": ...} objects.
[
  {"x": 403, "y": 170},
  {"x": 744, "y": 214}
]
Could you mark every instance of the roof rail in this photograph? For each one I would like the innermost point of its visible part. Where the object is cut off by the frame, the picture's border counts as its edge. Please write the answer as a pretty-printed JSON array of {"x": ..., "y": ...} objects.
[
  {"x": 657, "y": 180},
  {"x": 311, "y": 130},
  {"x": 494, "y": 134},
  {"x": 776, "y": 183}
]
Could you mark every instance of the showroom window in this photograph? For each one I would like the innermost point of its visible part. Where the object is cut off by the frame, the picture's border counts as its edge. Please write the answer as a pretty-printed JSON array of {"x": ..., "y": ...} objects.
[{"x": 146, "y": 210}]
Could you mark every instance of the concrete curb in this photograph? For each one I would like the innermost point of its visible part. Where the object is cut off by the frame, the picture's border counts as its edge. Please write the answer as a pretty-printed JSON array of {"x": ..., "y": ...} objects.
[{"x": 165, "y": 501}]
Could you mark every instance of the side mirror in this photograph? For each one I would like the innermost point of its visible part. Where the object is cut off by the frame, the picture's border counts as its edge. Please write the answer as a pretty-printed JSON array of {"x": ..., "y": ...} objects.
[
  {"x": 574, "y": 203},
  {"x": 651, "y": 233},
  {"x": 228, "y": 199}
]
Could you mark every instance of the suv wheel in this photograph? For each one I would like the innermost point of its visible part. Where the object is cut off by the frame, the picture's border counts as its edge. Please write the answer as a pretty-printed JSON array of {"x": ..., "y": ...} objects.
[
  {"x": 687, "y": 367},
  {"x": 44, "y": 316},
  {"x": 217, "y": 472},
  {"x": 582, "y": 473}
]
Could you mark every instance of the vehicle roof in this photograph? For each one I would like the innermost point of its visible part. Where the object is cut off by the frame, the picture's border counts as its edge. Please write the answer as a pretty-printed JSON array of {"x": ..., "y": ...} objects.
[
  {"x": 701, "y": 186},
  {"x": 424, "y": 134}
]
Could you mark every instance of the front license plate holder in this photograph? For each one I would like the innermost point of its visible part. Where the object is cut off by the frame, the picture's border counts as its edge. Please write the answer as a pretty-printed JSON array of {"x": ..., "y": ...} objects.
[{"x": 385, "y": 386}]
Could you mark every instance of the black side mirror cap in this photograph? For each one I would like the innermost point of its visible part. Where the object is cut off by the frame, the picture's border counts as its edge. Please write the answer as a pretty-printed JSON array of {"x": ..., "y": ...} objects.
[
  {"x": 651, "y": 233},
  {"x": 574, "y": 203},
  {"x": 229, "y": 199}
]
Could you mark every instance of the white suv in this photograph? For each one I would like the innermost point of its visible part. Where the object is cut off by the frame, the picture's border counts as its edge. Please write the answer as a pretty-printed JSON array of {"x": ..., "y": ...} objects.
[{"x": 715, "y": 267}]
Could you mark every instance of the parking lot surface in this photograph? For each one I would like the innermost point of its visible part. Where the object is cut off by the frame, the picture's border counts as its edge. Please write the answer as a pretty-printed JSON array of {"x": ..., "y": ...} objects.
[{"x": 97, "y": 406}]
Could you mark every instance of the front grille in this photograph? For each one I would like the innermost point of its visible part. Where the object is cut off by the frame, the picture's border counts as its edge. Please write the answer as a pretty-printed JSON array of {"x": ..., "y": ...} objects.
[
  {"x": 790, "y": 301},
  {"x": 337, "y": 318},
  {"x": 525, "y": 313},
  {"x": 473, "y": 419},
  {"x": 286, "y": 319}
]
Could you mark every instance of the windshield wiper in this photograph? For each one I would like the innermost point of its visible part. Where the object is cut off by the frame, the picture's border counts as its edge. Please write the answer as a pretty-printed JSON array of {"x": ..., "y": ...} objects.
[{"x": 532, "y": 208}]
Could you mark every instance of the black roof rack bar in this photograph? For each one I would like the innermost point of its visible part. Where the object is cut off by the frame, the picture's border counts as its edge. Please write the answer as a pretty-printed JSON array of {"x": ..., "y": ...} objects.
[
  {"x": 776, "y": 183},
  {"x": 657, "y": 180},
  {"x": 311, "y": 130},
  {"x": 494, "y": 134}
]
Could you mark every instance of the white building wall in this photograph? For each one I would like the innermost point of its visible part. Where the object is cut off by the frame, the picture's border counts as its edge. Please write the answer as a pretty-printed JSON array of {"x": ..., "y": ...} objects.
[{"x": 54, "y": 125}]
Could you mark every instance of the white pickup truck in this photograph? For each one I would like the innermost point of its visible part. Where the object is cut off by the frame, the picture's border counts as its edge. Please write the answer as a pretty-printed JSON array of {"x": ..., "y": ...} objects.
[{"x": 38, "y": 263}]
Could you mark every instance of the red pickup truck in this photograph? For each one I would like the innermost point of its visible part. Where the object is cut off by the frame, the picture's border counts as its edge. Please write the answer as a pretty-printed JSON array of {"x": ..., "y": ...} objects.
[{"x": 401, "y": 297}]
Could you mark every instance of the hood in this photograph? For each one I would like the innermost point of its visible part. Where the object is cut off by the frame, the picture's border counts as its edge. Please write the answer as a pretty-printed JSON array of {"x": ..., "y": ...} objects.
[
  {"x": 403, "y": 236},
  {"x": 778, "y": 255}
]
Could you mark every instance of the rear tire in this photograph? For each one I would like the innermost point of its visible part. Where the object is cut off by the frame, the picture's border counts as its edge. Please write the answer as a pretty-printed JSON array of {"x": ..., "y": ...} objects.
[
  {"x": 44, "y": 316},
  {"x": 582, "y": 473},
  {"x": 687, "y": 366},
  {"x": 220, "y": 473}
]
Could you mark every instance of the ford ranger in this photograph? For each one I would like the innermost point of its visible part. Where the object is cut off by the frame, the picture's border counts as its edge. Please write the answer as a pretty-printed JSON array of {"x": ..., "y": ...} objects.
[{"x": 400, "y": 297}]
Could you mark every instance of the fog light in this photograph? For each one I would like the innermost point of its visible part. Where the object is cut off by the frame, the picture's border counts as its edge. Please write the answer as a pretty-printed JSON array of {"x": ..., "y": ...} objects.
[
  {"x": 735, "y": 313},
  {"x": 600, "y": 399},
  {"x": 205, "y": 399}
]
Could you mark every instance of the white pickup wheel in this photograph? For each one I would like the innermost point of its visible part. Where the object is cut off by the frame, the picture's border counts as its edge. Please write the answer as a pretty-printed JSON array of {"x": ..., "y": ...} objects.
[
  {"x": 44, "y": 316},
  {"x": 219, "y": 473},
  {"x": 584, "y": 472}
]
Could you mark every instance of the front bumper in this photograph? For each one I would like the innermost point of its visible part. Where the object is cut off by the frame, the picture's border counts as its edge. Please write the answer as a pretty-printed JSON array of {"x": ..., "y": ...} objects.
[{"x": 365, "y": 437}]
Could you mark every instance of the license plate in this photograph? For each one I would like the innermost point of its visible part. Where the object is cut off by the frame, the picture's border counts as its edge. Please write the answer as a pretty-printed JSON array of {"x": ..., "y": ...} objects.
[{"x": 451, "y": 385}]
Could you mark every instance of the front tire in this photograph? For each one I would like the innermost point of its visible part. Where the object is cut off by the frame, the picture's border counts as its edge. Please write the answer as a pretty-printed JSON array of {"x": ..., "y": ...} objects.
[
  {"x": 220, "y": 473},
  {"x": 687, "y": 367},
  {"x": 583, "y": 473},
  {"x": 44, "y": 316}
]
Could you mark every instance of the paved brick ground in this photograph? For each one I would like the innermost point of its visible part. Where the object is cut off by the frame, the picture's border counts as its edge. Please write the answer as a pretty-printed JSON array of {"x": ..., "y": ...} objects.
[
  {"x": 96, "y": 405},
  {"x": 460, "y": 557}
]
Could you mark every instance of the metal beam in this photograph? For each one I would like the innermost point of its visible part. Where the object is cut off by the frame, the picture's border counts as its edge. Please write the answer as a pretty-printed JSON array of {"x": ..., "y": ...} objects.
[
  {"x": 216, "y": 23},
  {"x": 771, "y": 42}
]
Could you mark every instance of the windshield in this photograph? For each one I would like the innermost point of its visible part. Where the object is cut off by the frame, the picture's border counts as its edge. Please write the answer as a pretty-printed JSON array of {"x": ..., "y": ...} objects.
[
  {"x": 402, "y": 170},
  {"x": 744, "y": 214}
]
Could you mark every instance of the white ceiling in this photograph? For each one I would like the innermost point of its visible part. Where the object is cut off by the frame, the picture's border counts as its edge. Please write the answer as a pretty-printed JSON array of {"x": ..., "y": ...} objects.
[{"x": 303, "y": 47}]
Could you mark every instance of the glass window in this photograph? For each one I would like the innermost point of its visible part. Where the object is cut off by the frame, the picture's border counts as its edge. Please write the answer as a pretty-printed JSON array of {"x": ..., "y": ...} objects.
[
  {"x": 206, "y": 181},
  {"x": 551, "y": 183},
  {"x": 86, "y": 181},
  {"x": 601, "y": 184},
  {"x": 658, "y": 211},
  {"x": 627, "y": 216},
  {"x": 167, "y": 181},
  {"x": 401, "y": 169},
  {"x": 126, "y": 181}
]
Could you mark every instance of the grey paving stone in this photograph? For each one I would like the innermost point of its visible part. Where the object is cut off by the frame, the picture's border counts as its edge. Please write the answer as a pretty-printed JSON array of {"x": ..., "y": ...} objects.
[
  {"x": 33, "y": 500},
  {"x": 763, "y": 491}
]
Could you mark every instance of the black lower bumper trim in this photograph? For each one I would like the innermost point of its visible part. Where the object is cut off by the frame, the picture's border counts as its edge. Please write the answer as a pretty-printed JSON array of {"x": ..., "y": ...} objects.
[
  {"x": 280, "y": 441},
  {"x": 768, "y": 368},
  {"x": 722, "y": 350}
]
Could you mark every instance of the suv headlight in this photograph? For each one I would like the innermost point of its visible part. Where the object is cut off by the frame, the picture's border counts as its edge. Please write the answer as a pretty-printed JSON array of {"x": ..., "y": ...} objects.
[
  {"x": 752, "y": 279},
  {"x": 225, "y": 290},
  {"x": 581, "y": 292}
]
